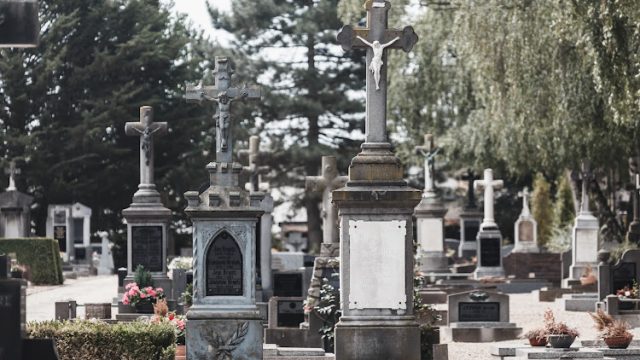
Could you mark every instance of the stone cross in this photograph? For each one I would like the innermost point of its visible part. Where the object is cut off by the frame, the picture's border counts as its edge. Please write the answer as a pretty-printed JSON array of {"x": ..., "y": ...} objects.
[
  {"x": 376, "y": 37},
  {"x": 224, "y": 95},
  {"x": 146, "y": 129},
  {"x": 587, "y": 176},
  {"x": 326, "y": 183},
  {"x": 524, "y": 194},
  {"x": 255, "y": 158},
  {"x": 471, "y": 195},
  {"x": 12, "y": 171},
  {"x": 429, "y": 151},
  {"x": 489, "y": 185}
]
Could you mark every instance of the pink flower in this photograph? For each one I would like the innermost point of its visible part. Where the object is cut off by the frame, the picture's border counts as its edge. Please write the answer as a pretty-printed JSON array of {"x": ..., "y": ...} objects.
[
  {"x": 125, "y": 299},
  {"x": 143, "y": 295},
  {"x": 151, "y": 293},
  {"x": 130, "y": 285},
  {"x": 132, "y": 292},
  {"x": 159, "y": 290}
]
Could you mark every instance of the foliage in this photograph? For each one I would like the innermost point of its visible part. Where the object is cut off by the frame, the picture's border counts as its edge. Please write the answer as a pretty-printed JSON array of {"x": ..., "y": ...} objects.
[
  {"x": 135, "y": 295},
  {"x": 542, "y": 209},
  {"x": 560, "y": 240},
  {"x": 42, "y": 256},
  {"x": 608, "y": 327},
  {"x": 564, "y": 209},
  {"x": 553, "y": 327},
  {"x": 616, "y": 252},
  {"x": 63, "y": 106},
  {"x": 629, "y": 292},
  {"x": 328, "y": 310},
  {"x": 538, "y": 334},
  {"x": 187, "y": 295},
  {"x": 101, "y": 341},
  {"x": 142, "y": 277},
  {"x": 178, "y": 322},
  {"x": 181, "y": 262},
  {"x": 308, "y": 109}
]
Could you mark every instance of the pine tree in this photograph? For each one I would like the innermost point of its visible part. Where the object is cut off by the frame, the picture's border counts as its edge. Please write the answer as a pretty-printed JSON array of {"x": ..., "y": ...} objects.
[
  {"x": 307, "y": 106},
  {"x": 564, "y": 208},
  {"x": 542, "y": 208}
]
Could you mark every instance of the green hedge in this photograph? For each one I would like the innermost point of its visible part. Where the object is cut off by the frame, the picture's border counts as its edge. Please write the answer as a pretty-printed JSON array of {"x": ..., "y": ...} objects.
[
  {"x": 97, "y": 340},
  {"x": 40, "y": 254}
]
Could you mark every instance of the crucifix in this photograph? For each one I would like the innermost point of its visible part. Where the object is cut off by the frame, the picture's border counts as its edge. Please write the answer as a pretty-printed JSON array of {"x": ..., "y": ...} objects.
[
  {"x": 224, "y": 95},
  {"x": 470, "y": 177},
  {"x": 255, "y": 158},
  {"x": 586, "y": 176},
  {"x": 146, "y": 129},
  {"x": 524, "y": 194},
  {"x": 326, "y": 183},
  {"x": 12, "y": 171},
  {"x": 376, "y": 38},
  {"x": 429, "y": 150},
  {"x": 489, "y": 185}
]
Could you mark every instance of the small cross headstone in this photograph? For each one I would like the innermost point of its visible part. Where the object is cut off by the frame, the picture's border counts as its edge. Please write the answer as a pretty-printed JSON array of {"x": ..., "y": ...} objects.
[
  {"x": 525, "y": 227},
  {"x": 255, "y": 158},
  {"x": 326, "y": 183},
  {"x": 429, "y": 151},
  {"x": 489, "y": 185},
  {"x": 146, "y": 129},
  {"x": 224, "y": 95},
  {"x": 12, "y": 171},
  {"x": 586, "y": 176}
]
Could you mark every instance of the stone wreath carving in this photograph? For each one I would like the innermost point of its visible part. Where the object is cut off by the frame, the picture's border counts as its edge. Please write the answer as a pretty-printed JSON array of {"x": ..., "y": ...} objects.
[{"x": 224, "y": 348}]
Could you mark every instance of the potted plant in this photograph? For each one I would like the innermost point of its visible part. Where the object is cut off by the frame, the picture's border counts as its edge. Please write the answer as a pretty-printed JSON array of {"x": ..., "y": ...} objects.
[
  {"x": 615, "y": 333},
  {"x": 627, "y": 293},
  {"x": 142, "y": 298},
  {"x": 588, "y": 277},
  {"x": 536, "y": 337},
  {"x": 17, "y": 271},
  {"x": 559, "y": 334},
  {"x": 162, "y": 314}
]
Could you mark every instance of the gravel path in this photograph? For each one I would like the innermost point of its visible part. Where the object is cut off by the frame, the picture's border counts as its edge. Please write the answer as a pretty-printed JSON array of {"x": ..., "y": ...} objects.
[{"x": 527, "y": 312}]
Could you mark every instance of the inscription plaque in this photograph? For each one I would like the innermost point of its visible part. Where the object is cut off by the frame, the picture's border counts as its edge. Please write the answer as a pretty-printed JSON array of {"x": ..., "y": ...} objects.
[
  {"x": 471, "y": 228},
  {"x": 146, "y": 246},
  {"x": 60, "y": 234},
  {"x": 525, "y": 231},
  {"x": 479, "y": 311},
  {"x": 290, "y": 313},
  {"x": 490, "y": 252},
  {"x": 587, "y": 245},
  {"x": 287, "y": 285},
  {"x": 224, "y": 267}
]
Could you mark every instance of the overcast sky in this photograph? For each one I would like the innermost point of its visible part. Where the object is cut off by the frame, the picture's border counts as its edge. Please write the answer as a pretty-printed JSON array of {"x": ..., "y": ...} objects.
[{"x": 197, "y": 11}]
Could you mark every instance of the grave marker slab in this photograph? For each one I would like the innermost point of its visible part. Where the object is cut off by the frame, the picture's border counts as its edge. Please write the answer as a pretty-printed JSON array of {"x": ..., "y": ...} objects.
[
  {"x": 489, "y": 238},
  {"x": 13, "y": 315},
  {"x": 288, "y": 284},
  {"x": 224, "y": 267}
]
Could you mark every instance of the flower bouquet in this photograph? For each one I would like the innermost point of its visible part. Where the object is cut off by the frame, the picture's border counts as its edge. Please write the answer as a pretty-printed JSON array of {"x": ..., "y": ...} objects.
[{"x": 142, "y": 298}]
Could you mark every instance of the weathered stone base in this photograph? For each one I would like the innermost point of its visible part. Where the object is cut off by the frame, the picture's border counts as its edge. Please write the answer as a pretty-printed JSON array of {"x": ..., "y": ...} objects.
[
  {"x": 240, "y": 339},
  {"x": 377, "y": 341},
  {"x": 292, "y": 337},
  {"x": 475, "y": 332},
  {"x": 580, "y": 302},
  {"x": 482, "y": 272},
  {"x": 572, "y": 353},
  {"x": 273, "y": 352},
  {"x": 433, "y": 262}
]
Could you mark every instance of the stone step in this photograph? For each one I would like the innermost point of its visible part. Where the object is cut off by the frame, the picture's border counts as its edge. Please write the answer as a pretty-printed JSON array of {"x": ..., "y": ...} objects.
[{"x": 273, "y": 352}]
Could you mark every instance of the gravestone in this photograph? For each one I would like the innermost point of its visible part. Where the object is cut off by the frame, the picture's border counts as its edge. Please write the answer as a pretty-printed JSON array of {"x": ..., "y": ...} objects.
[
  {"x": 147, "y": 218},
  {"x": 376, "y": 216},
  {"x": 633, "y": 234},
  {"x": 70, "y": 225},
  {"x": 20, "y": 26},
  {"x": 287, "y": 284},
  {"x": 13, "y": 315},
  {"x": 429, "y": 216},
  {"x": 255, "y": 158},
  {"x": 106, "y": 265},
  {"x": 585, "y": 242},
  {"x": 285, "y": 312},
  {"x": 489, "y": 238},
  {"x": 15, "y": 209},
  {"x": 526, "y": 229},
  {"x": 224, "y": 318},
  {"x": 479, "y": 316},
  {"x": 613, "y": 277},
  {"x": 470, "y": 219},
  {"x": 179, "y": 279}
]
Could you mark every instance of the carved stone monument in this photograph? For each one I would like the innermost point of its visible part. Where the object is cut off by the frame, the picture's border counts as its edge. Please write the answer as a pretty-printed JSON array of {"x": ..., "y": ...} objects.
[
  {"x": 147, "y": 218},
  {"x": 489, "y": 238},
  {"x": 224, "y": 321},
  {"x": 15, "y": 208},
  {"x": 255, "y": 158},
  {"x": 430, "y": 215},
  {"x": 585, "y": 242},
  {"x": 526, "y": 228},
  {"x": 470, "y": 219},
  {"x": 376, "y": 217}
]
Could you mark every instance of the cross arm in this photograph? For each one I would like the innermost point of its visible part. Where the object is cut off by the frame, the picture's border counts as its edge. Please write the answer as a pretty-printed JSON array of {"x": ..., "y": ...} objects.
[
  {"x": 198, "y": 93},
  {"x": 137, "y": 128},
  {"x": 315, "y": 183},
  {"x": 339, "y": 182},
  {"x": 348, "y": 38}
]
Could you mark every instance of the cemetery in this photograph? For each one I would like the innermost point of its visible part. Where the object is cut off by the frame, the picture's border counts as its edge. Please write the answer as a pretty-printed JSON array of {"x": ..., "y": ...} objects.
[{"x": 326, "y": 179}]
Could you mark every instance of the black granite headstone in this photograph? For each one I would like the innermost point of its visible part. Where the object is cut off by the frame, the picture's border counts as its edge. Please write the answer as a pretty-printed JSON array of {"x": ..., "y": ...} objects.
[
  {"x": 122, "y": 274},
  {"x": 41, "y": 349},
  {"x": 5, "y": 266},
  {"x": 623, "y": 274},
  {"x": 60, "y": 234},
  {"x": 471, "y": 228},
  {"x": 146, "y": 245},
  {"x": 490, "y": 252},
  {"x": 11, "y": 313},
  {"x": 290, "y": 313},
  {"x": 224, "y": 267},
  {"x": 479, "y": 311},
  {"x": 287, "y": 284}
]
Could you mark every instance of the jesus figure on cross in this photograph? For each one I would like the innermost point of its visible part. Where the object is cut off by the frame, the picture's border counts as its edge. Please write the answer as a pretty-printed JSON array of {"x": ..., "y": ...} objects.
[{"x": 376, "y": 60}]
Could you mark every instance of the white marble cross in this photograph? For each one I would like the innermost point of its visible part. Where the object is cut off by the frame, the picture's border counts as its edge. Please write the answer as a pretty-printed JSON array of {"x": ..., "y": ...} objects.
[
  {"x": 376, "y": 38},
  {"x": 12, "y": 171},
  {"x": 489, "y": 185},
  {"x": 524, "y": 194},
  {"x": 146, "y": 129},
  {"x": 224, "y": 95},
  {"x": 587, "y": 176}
]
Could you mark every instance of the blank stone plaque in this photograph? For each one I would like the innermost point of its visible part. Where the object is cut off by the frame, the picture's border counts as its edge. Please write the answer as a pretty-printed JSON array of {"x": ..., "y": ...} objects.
[
  {"x": 525, "y": 231},
  {"x": 430, "y": 234},
  {"x": 587, "y": 245},
  {"x": 377, "y": 264}
]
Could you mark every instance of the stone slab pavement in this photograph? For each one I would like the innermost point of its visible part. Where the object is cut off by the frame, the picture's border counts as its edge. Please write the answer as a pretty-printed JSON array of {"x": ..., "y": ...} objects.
[{"x": 95, "y": 289}]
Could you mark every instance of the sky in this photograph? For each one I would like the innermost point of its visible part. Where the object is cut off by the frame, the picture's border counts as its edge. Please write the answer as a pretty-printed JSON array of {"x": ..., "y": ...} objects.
[{"x": 197, "y": 12}]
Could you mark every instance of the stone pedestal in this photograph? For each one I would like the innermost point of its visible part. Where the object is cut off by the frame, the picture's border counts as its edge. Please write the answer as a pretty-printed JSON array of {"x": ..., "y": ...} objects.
[
  {"x": 584, "y": 245},
  {"x": 470, "y": 220},
  {"x": 489, "y": 254},
  {"x": 266, "y": 222},
  {"x": 429, "y": 216},
  {"x": 15, "y": 214}
]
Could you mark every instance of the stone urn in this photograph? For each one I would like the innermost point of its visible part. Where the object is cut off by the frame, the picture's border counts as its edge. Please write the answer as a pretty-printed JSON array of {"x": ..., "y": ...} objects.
[
  {"x": 535, "y": 341},
  {"x": 561, "y": 341},
  {"x": 618, "y": 342}
]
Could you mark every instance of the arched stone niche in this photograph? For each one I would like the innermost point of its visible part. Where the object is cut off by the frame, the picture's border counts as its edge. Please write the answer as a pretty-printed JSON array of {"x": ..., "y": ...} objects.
[{"x": 224, "y": 264}]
